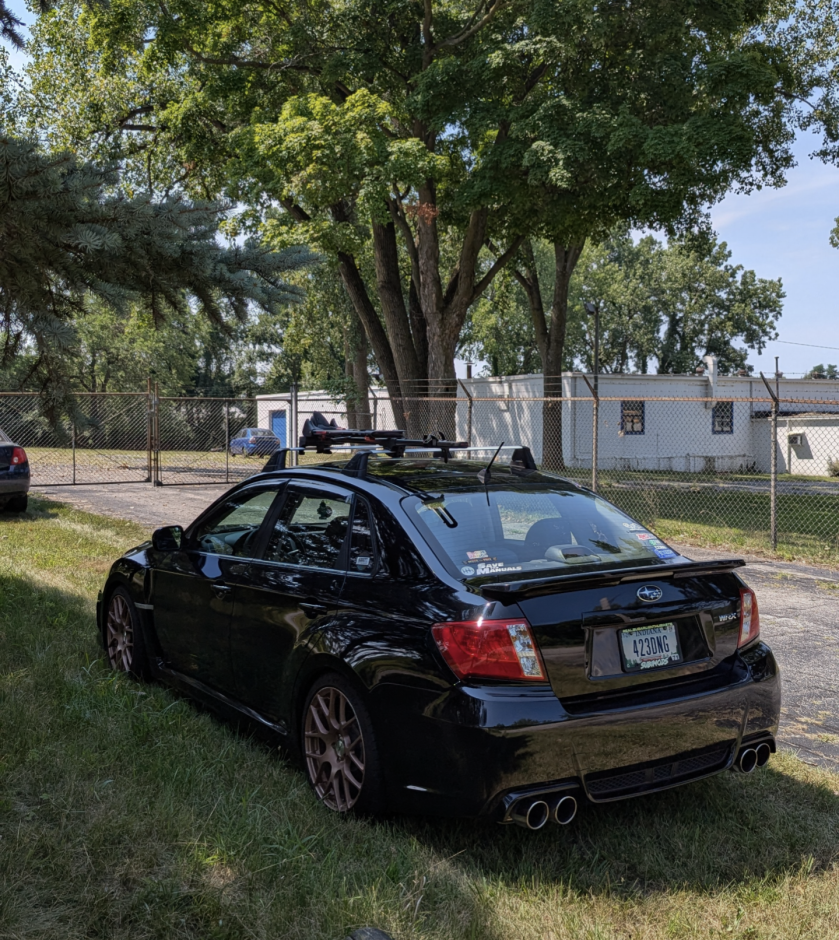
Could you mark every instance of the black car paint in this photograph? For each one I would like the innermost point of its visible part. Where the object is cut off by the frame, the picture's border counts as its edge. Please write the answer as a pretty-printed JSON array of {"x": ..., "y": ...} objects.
[
  {"x": 458, "y": 747},
  {"x": 14, "y": 478}
]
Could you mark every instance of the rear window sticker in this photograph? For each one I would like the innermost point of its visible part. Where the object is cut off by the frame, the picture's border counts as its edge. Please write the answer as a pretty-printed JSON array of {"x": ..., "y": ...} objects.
[
  {"x": 496, "y": 567},
  {"x": 644, "y": 536},
  {"x": 476, "y": 556},
  {"x": 665, "y": 553},
  {"x": 633, "y": 527},
  {"x": 467, "y": 570}
]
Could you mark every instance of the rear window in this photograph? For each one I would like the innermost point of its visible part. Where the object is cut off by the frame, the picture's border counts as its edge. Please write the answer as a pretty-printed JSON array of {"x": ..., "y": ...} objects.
[{"x": 508, "y": 531}]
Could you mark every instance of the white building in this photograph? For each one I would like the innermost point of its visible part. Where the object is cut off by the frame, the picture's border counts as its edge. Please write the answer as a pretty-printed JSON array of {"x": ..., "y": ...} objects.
[{"x": 687, "y": 423}]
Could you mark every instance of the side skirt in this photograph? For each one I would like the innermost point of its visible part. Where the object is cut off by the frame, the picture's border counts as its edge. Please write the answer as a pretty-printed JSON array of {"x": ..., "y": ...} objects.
[{"x": 217, "y": 700}]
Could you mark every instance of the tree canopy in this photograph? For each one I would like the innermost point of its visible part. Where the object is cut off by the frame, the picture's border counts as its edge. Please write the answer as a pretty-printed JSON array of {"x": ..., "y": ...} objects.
[
  {"x": 433, "y": 138},
  {"x": 68, "y": 234},
  {"x": 661, "y": 306}
]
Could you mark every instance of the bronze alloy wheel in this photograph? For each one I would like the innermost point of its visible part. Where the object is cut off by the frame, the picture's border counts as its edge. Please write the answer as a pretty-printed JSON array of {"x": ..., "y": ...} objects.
[
  {"x": 120, "y": 633},
  {"x": 334, "y": 747}
]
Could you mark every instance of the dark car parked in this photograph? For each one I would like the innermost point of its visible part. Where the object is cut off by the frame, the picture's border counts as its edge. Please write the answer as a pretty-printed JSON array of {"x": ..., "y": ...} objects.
[
  {"x": 255, "y": 442},
  {"x": 435, "y": 637},
  {"x": 14, "y": 475}
]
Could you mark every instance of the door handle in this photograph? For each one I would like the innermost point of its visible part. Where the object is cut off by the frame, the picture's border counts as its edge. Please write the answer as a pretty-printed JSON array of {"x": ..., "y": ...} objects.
[
  {"x": 221, "y": 590},
  {"x": 312, "y": 607}
]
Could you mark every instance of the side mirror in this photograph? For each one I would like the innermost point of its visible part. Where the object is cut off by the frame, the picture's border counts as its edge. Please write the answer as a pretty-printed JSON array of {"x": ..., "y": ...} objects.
[{"x": 167, "y": 539}]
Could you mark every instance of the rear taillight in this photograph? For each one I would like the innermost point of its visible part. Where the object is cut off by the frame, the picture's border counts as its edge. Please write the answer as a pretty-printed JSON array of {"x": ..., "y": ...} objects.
[
  {"x": 18, "y": 456},
  {"x": 490, "y": 649},
  {"x": 749, "y": 617}
]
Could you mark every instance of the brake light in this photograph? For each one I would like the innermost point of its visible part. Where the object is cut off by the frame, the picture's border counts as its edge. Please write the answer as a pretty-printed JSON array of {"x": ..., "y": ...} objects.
[
  {"x": 18, "y": 456},
  {"x": 490, "y": 649},
  {"x": 749, "y": 617}
]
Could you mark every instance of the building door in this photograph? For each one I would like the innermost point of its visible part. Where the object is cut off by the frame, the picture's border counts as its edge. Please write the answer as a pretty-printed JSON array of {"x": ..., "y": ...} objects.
[{"x": 278, "y": 425}]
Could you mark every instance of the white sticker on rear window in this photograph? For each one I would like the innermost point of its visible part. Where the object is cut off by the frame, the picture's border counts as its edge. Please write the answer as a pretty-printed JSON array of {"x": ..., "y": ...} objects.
[
  {"x": 476, "y": 556},
  {"x": 467, "y": 570}
]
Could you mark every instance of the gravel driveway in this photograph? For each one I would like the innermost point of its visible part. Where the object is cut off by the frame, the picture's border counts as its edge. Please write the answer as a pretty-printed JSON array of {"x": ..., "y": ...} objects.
[{"x": 798, "y": 607}]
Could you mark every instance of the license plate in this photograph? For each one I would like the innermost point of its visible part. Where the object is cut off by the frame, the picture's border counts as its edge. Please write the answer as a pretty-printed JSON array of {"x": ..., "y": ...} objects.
[{"x": 650, "y": 647}]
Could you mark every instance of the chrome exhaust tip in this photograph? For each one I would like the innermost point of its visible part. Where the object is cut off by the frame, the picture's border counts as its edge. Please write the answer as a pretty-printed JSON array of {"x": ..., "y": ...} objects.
[
  {"x": 564, "y": 810},
  {"x": 763, "y": 752},
  {"x": 746, "y": 760},
  {"x": 531, "y": 814}
]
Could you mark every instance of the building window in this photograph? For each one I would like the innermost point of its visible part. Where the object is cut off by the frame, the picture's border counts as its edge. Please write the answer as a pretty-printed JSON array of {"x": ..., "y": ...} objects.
[
  {"x": 722, "y": 418},
  {"x": 632, "y": 417}
]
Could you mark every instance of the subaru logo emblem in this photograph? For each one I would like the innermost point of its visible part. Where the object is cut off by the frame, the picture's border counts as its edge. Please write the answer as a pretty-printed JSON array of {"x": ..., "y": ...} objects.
[{"x": 649, "y": 592}]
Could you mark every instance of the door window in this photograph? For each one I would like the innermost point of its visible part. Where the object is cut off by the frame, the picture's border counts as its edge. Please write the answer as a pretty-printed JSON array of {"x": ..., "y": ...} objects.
[
  {"x": 362, "y": 556},
  {"x": 310, "y": 530},
  {"x": 233, "y": 528}
]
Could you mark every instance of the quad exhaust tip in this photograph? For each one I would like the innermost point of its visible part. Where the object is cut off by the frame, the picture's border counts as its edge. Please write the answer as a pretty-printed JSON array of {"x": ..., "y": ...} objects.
[
  {"x": 535, "y": 814},
  {"x": 752, "y": 757}
]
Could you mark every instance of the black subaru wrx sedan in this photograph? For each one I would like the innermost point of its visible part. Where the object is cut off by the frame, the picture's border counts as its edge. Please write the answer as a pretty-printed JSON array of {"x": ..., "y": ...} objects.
[{"x": 433, "y": 638}]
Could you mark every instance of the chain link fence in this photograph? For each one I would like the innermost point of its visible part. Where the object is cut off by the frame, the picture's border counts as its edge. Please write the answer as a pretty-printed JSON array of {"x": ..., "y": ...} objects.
[{"x": 757, "y": 473}]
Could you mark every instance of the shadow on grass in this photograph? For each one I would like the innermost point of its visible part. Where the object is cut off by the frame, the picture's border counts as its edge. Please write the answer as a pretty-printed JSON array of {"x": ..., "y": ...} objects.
[
  {"x": 717, "y": 832},
  {"x": 125, "y": 811}
]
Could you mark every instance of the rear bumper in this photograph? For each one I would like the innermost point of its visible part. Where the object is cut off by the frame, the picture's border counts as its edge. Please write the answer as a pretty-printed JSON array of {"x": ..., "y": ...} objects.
[
  {"x": 467, "y": 749},
  {"x": 13, "y": 482}
]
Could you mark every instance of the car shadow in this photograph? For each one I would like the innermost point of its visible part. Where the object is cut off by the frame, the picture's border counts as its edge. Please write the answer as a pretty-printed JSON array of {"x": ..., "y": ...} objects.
[{"x": 720, "y": 831}]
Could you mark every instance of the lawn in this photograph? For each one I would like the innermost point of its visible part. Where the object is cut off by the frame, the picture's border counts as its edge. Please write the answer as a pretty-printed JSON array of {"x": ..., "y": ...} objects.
[
  {"x": 127, "y": 812},
  {"x": 735, "y": 520}
]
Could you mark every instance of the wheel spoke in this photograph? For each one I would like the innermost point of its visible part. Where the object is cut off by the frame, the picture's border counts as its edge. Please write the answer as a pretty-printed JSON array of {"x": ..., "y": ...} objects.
[{"x": 335, "y": 764}]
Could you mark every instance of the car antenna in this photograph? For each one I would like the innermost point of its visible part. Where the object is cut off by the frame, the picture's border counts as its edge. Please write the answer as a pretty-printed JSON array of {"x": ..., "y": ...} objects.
[{"x": 485, "y": 475}]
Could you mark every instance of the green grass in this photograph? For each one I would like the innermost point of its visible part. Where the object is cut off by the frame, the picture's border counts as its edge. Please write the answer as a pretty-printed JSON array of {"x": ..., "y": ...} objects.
[
  {"x": 808, "y": 526},
  {"x": 127, "y": 812}
]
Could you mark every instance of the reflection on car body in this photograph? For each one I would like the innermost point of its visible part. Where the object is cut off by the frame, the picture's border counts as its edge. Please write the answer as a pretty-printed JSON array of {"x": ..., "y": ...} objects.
[{"x": 431, "y": 640}]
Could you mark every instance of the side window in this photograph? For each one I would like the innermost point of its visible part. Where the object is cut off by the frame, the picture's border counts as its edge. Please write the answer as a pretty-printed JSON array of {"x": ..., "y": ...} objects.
[
  {"x": 310, "y": 530},
  {"x": 362, "y": 552},
  {"x": 233, "y": 527}
]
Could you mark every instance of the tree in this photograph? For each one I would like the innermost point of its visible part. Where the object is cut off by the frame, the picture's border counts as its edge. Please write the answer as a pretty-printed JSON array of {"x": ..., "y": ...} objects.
[
  {"x": 708, "y": 304},
  {"x": 823, "y": 372},
  {"x": 67, "y": 237},
  {"x": 10, "y": 26},
  {"x": 439, "y": 136}
]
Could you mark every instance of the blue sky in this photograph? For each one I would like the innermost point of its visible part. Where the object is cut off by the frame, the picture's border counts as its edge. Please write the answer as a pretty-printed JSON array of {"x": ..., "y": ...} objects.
[{"x": 778, "y": 233}]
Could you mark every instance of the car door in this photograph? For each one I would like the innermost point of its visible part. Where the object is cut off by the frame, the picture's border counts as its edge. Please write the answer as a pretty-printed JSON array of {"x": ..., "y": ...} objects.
[
  {"x": 193, "y": 589},
  {"x": 294, "y": 585}
]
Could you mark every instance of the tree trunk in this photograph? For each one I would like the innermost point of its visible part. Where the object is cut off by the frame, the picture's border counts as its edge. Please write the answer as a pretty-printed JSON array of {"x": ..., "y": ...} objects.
[
  {"x": 566, "y": 259},
  {"x": 375, "y": 332}
]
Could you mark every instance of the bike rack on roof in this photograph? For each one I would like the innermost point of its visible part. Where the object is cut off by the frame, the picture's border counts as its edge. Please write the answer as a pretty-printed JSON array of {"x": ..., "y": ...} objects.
[{"x": 321, "y": 436}]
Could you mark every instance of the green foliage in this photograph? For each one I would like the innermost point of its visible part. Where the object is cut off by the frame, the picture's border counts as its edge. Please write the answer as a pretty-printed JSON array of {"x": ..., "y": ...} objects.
[
  {"x": 457, "y": 127},
  {"x": 71, "y": 235},
  {"x": 663, "y": 305},
  {"x": 823, "y": 372}
]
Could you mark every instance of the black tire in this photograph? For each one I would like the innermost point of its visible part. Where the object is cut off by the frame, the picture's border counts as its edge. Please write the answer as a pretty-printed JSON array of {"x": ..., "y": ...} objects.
[
  {"x": 17, "y": 503},
  {"x": 340, "y": 754},
  {"x": 124, "y": 637}
]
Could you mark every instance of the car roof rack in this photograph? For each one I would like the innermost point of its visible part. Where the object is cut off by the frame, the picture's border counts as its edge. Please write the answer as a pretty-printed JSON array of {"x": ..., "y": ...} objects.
[{"x": 321, "y": 436}]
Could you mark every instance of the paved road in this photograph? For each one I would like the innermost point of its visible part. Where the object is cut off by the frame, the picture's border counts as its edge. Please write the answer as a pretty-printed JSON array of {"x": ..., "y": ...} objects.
[{"x": 798, "y": 609}]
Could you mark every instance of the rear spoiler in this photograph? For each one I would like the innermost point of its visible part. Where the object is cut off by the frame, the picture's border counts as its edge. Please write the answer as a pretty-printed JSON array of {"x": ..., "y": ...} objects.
[{"x": 531, "y": 587}]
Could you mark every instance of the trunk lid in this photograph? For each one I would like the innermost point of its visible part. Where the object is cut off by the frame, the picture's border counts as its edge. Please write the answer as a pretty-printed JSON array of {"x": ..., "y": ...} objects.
[
  {"x": 6, "y": 451},
  {"x": 579, "y": 627}
]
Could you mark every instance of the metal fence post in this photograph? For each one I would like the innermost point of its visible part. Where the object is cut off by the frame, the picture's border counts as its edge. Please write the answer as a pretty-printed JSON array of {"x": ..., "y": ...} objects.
[
  {"x": 156, "y": 437},
  {"x": 595, "y": 409},
  {"x": 149, "y": 429},
  {"x": 293, "y": 423},
  {"x": 773, "y": 468},
  {"x": 227, "y": 442},
  {"x": 73, "y": 440},
  {"x": 469, "y": 404}
]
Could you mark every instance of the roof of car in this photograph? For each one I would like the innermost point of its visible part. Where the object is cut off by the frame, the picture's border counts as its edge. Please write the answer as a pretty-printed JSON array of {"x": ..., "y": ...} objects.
[{"x": 432, "y": 474}]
